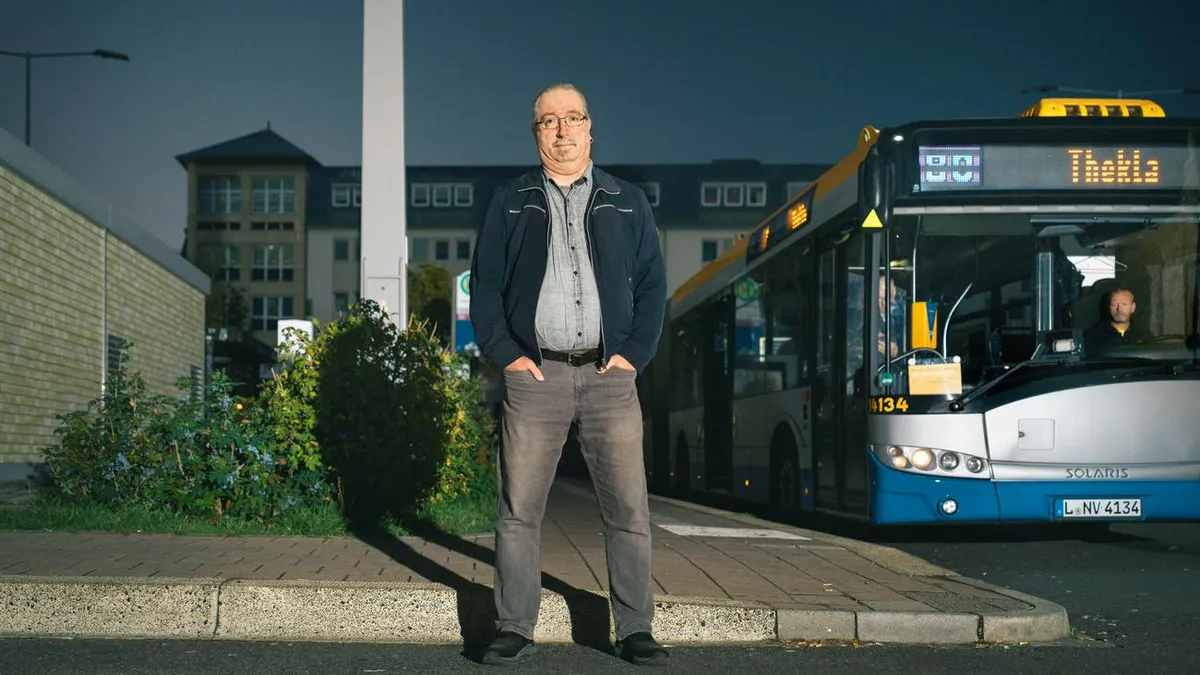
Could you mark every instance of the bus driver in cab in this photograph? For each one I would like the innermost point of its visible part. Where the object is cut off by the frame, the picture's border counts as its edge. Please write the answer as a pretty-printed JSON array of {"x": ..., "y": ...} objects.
[{"x": 1116, "y": 328}]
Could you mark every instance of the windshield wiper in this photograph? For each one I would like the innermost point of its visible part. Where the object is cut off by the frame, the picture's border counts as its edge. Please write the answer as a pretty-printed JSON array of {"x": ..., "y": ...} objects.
[{"x": 959, "y": 403}]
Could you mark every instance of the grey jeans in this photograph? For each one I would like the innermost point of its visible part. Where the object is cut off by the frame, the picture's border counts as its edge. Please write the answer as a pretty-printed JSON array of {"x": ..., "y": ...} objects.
[{"x": 537, "y": 419}]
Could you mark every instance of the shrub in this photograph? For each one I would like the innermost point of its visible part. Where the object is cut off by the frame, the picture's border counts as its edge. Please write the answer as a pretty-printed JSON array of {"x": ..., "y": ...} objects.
[
  {"x": 385, "y": 421},
  {"x": 394, "y": 419},
  {"x": 206, "y": 456}
]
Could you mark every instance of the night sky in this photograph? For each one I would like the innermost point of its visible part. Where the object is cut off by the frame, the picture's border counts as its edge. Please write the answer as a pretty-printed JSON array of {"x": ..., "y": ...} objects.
[{"x": 666, "y": 80}]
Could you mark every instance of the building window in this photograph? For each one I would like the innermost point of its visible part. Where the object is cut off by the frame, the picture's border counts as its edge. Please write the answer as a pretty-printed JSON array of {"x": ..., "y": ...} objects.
[
  {"x": 272, "y": 227},
  {"x": 341, "y": 301},
  {"x": 224, "y": 261},
  {"x": 420, "y": 249},
  {"x": 708, "y": 250},
  {"x": 420, "y": 194},
  {"x": 339, "y": 195},
  {"x": 272, "y": 262},
  {"x": 345, "y": 195},
  {"x": 464, "y": 195},
  {"x": 219, "y": 194},
  {"x": 756, "y": 194},
  {"x": 274, "y": 195},
  {"x": 217, "y": 227},
  {"x": 266, "y": 311},
  {"x": 341, "y": 249},
  {"x": 735, "y": 194},
  {"x": 651, "y": 190},
  {"x": 441, "y": 250},
  {"x": 442, "y": 195},
  {"x": 795, "y": 188},
  {"x": 463, "y": 251}
]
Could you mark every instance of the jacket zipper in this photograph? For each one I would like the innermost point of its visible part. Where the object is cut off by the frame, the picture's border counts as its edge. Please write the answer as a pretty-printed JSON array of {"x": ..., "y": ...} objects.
[
  {"x": 587, "y": 230},
  {"x": 546, "y": 212}
]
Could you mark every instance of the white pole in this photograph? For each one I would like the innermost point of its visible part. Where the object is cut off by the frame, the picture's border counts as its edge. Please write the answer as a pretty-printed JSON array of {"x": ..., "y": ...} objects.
[{"x": 384, "y": 187}]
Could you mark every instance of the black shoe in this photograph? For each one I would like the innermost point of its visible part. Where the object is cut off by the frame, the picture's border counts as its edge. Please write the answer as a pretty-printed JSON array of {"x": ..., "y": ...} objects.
[
  {"x": 507, "y": 648},
  {"x": 641, "y": 649}
]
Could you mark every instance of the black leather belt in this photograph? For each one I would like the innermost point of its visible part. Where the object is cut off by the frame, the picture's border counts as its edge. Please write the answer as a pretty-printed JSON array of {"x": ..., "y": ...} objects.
[{"x": 591, "y": 356}]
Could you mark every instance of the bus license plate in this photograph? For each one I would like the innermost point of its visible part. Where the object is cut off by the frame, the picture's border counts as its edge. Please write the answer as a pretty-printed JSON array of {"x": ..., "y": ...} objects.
[{"x": 1102, "y": 508}]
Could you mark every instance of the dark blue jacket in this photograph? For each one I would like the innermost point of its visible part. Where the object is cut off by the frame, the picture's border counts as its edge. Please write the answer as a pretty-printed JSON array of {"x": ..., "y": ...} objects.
[{"x": 512, "y": 249}]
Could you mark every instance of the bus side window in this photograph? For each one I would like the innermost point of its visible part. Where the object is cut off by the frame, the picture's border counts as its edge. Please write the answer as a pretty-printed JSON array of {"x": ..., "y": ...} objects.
[{"x": 786, "y": 310}]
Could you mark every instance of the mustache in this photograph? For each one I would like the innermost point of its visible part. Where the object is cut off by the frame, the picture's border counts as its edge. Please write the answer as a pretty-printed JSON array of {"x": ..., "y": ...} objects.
[{"x": 563, "y": 142}]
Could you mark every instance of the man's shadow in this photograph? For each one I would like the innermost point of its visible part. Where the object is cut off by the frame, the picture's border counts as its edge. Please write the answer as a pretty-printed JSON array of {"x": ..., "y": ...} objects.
[{"x": 589, "y": 613}]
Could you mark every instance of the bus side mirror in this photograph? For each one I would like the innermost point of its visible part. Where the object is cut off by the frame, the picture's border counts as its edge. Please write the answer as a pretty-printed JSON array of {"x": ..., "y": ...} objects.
[{"x": 876, "y": 187}]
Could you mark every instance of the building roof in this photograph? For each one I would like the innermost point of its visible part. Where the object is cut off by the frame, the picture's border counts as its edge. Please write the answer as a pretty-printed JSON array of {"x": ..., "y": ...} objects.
[{"x": 263, "y": 146}]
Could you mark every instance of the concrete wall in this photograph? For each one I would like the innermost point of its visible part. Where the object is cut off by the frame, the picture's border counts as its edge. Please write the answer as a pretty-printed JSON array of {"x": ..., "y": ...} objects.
[{"x": 72, "y": 274}]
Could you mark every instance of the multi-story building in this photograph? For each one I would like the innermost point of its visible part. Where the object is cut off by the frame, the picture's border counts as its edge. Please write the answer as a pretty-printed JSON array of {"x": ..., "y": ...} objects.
[
  {"x": 296, "y": 257},
  {"x": 246, "y": 223}
]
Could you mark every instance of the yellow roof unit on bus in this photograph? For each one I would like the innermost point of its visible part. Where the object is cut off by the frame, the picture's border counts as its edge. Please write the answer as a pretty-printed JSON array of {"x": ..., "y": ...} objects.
[{"x": 1094, "y": 107}]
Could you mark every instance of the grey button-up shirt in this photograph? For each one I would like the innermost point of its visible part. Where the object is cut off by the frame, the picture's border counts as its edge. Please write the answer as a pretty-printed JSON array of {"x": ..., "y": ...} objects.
[{"x": 568, "y": 312}]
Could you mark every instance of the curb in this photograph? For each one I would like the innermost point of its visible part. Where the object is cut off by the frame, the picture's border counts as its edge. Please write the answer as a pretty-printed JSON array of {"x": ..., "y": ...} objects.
[
  {"x": 1045, "y": 621},
  {"x": 233, "y": 609},
  {"x": 382, "y": 612}
]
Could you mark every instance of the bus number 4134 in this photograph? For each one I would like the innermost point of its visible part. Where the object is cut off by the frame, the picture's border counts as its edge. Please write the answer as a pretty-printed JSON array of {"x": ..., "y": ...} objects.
[{"x": 888, "y": 404}]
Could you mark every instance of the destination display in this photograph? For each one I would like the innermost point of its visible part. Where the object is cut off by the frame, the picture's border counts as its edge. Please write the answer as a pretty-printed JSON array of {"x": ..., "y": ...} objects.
[
  {"x": 774, "y": 231},
  {"x": 1055, "y": 167}
]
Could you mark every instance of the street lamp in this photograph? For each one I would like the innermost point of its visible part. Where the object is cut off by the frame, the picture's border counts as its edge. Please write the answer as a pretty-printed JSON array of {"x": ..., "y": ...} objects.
[
  {"x": 30, "y": 56},
  {"x": 1051, "y": 88}
]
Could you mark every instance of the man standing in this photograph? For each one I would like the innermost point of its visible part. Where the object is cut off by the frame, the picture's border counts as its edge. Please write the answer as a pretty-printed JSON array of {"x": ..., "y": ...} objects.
[{"x": 568, "y": 291}]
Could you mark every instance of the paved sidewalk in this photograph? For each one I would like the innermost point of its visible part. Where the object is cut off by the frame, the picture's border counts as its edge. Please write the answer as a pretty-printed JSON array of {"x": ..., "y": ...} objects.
[{"x": 718, "y": 577}]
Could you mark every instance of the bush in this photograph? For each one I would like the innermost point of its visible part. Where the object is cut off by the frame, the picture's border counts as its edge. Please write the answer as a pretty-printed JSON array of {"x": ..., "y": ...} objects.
[
  {"x": 395, "y": 420},
  {"x": 203, "y": 456},
  {"x": 384, "y": 421}
]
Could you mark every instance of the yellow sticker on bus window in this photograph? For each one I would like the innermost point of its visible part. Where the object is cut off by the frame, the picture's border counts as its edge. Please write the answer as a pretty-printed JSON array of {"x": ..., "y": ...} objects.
[{"x": 935, "y": 379}]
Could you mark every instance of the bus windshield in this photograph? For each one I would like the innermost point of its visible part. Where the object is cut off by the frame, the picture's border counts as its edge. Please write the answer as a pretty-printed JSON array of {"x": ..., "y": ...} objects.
[{"x": 968, "y": 296}]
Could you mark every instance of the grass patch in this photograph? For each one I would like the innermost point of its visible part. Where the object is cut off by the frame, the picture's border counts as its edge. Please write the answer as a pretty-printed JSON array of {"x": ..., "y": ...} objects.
[
  {"x": 471, "y": 513},
  {"x": 467, "y": 515}
]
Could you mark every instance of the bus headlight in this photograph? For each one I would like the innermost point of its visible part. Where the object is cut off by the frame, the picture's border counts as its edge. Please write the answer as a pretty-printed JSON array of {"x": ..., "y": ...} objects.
[
  {"x": 922, "y": 458},
  {"x": 948, "y": 461},
  {"x": 897, "y": 457},
  {"x": 932, "y": 461}
]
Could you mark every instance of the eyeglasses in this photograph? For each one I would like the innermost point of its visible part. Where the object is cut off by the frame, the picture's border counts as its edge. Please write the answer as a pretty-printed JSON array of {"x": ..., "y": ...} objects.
[{"x": 551, "y": 121}]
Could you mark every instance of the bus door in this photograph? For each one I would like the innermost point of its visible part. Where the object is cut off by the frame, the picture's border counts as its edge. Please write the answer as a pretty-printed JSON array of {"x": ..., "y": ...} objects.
[
  {"x": 718, "y": 395},
  {"x": 825, "y": 402},
  {"x": 839, "y": 424}
]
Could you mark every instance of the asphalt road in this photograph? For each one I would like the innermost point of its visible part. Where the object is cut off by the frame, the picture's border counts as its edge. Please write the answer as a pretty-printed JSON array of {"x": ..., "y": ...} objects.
[
  {"x": 1136, "y": 588},
  {"x": 128, "y": 657}
]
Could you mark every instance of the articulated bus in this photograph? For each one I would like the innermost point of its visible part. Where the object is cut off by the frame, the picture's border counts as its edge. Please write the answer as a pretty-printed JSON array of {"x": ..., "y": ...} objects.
[{"x": 924, "y": 335}]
